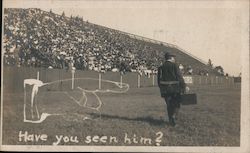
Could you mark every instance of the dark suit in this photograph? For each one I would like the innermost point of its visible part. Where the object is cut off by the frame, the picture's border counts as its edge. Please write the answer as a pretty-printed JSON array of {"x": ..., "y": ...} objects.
[{"x": 171, "y": 84}]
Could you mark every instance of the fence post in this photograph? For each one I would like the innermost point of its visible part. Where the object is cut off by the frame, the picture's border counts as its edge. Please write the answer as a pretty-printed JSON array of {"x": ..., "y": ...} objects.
[
  {"x": 121, "y": 80},
  {"x": 138, "y": 80},
  {"x": 73, "y": 79},
  {"x": 226, "y": 81},
  {"x": 232, "y": 80},
  {"x": 229, "y": 81},
  {"x": 153, "y": 77},
  {"x": 37, "y": 76},
  {"x": 60, "y": 78},
  {"x": 100, "y": 80}
]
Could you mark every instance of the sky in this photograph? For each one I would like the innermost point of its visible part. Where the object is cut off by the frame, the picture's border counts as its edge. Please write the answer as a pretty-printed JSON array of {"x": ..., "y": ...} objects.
[{"x": 216, "y": 30}]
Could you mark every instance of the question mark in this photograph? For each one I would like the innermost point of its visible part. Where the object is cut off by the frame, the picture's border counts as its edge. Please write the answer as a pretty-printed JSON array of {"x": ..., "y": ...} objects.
[{"x": 158, "y": 138}]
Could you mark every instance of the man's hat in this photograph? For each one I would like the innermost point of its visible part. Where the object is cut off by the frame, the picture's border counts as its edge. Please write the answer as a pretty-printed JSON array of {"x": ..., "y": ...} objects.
[{"x": 168, "y": 55}]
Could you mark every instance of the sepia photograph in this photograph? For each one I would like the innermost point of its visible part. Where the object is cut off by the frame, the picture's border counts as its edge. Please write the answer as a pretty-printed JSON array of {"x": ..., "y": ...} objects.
[{"x": 125, "y": 76}]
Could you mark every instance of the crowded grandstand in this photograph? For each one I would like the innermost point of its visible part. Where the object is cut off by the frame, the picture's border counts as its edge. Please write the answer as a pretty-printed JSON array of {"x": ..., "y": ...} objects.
[{"x": 37, "y": 38}]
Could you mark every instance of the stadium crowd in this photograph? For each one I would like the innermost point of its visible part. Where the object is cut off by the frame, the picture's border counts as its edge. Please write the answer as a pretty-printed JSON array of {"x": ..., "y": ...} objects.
[{"x": 37, "y": 38}]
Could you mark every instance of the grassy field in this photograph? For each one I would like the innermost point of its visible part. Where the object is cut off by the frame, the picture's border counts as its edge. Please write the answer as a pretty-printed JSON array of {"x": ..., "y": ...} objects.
[{"x": 139, "y": 114}]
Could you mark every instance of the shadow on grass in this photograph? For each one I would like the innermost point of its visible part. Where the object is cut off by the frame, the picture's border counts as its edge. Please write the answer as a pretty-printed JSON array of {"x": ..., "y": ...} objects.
[{"x": 150, "y": 120}]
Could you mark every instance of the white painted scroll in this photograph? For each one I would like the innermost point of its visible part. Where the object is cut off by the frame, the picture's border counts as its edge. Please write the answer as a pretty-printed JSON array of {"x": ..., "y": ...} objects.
[{"x": 33, "y": 113}]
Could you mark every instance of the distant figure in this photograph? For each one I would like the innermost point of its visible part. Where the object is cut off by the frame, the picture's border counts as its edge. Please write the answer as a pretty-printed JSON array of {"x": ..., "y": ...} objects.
[
  {"x": 122, "y": 68},
  {"x": 189, "y": 70},
  {"x": 171, "y": 84},
  {"x": 181, "y": 67}
]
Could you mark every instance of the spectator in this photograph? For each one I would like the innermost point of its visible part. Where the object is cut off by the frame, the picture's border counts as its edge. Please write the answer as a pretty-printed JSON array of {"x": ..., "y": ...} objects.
[
  {"x": 189, "y": 70},
  {"x": 181, "y": 67}
]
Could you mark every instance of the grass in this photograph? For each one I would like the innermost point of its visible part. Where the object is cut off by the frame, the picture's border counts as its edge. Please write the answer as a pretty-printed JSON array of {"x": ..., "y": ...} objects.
[{"x": 214, "y": 121}]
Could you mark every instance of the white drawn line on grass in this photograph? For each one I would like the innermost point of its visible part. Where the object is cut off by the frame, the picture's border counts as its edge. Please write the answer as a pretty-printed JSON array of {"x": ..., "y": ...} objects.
[{"x": 37, "y": 83}]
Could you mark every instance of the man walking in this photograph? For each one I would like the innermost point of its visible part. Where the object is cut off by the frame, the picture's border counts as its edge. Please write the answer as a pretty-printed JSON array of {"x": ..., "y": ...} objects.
[{"x": 171, "y": 84}]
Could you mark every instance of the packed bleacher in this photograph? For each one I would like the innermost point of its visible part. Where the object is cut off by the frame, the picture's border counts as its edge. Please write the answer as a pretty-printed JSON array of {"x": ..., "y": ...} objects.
[{"x": 36, "y": 38}]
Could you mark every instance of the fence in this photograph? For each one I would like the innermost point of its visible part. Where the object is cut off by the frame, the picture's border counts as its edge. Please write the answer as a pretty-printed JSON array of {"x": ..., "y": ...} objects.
[{"x": 13, "y": 78}]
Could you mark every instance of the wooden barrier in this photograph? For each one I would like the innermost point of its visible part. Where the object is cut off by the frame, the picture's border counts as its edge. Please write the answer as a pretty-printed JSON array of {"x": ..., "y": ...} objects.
[{"x": 13, "y": 78}]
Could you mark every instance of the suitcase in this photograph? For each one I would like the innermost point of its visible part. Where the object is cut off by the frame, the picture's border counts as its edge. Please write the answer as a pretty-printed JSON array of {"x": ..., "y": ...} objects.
[{"x": 189, "y": 99}]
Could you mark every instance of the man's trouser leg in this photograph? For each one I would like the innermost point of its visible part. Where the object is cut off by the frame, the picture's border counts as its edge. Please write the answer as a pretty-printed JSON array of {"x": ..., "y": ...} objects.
[
  {"x": 170, "y": 108},
  {"x": 176, "y": 102}
]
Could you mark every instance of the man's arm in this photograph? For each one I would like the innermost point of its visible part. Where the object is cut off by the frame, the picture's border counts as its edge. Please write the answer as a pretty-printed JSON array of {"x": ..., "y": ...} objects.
[{"x": 159, "y": 75}]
